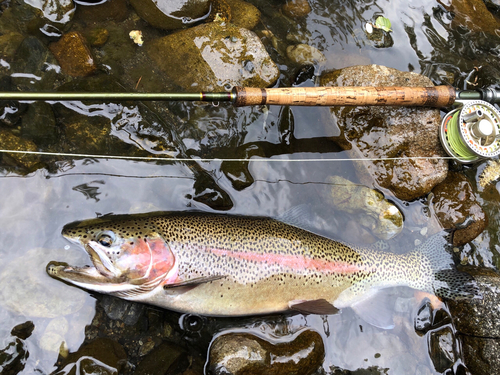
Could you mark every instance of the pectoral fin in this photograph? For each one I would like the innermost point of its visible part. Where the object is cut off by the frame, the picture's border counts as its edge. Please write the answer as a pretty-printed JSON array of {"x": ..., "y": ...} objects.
[
  {"x": 317, "y": 306},
  {"x": 193, "y": 282}
]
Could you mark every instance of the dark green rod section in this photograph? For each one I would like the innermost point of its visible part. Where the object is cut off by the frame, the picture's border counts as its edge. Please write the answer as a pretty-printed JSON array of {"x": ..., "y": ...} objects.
[{"x": 198, "y": 96}]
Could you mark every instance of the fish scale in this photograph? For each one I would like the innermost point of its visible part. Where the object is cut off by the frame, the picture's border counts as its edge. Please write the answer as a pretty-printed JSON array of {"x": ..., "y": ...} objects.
[{"x": 223, "y": 265}]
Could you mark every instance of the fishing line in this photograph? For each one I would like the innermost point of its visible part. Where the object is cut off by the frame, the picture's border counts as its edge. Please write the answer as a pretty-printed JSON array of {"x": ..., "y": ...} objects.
[
  {"x": 262, "y": 159},
  {"x": 456, "y": 142}
]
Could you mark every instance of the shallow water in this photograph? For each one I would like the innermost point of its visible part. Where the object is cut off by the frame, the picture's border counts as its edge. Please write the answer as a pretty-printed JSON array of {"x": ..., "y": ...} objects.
[{"x": 292, "y": 157}]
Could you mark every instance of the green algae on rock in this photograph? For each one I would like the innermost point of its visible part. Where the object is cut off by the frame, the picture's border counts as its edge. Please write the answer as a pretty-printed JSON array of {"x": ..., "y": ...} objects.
[
  {"x": 244, "y": 14},
  {"x": 407, "y": 136},
  {"x": 380, "y": 216},
  {"x": 213, "y": 57}
]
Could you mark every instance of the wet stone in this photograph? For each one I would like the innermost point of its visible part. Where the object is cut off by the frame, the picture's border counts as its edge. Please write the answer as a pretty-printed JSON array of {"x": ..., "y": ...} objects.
[
  {"x": 303, "y": 54},
  {"x": 481, "y": 355},
  {"x": 243, "y": 353},
  {"x": 9, "y": 42},
  {"x": 73, "y": 54},
  {"x": 477, "y": 322},
  {"x": 118, "y": 309},
  {"x": 101, "y": 356},
  {"x": 372, "y": 211},
  {"x": 171, "y": 14},
  {"x": 454, "y": 201},
  {"x": 244, "y": 14},
  {"x": 442, "y": 349},
  {"x": 391, "y": 132},
  {"x": 23, "y": 330},
  {"x": 479, "y": 317},
  {"x": 60, "y": 11},
  {"x": 296, "y": 8},
  {"x": 238, "y": 174},
  {"x": 97, "y": 37},
  {"x": 13, "y": 357},
  {"x": 110, "y": 10},
  {"x": 9, "y": 141},
  {"x": 423, "y": 320},
  {"x": 36, "y": 66},
  {"x": 472, "y": 14},
  {"x": 162, "y": 360},
  {"x": 38, "y": 124},
  {"x": 213, "y": 57}
]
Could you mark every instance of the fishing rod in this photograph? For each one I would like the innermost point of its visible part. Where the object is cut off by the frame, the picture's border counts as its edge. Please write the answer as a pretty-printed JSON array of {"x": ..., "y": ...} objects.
[{"x": 468, "y": 133}]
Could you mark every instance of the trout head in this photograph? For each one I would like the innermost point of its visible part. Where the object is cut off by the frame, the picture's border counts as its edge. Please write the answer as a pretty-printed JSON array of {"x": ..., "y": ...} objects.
[{"x": 129, "y": 257}]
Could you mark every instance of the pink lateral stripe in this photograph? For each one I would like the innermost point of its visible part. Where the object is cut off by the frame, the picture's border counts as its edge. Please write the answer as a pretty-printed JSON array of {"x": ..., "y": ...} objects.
[{"x": 295, "y": 262}]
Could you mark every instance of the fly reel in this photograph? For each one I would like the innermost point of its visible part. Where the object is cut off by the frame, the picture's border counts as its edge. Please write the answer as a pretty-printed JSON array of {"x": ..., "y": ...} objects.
[{"x": 471, "y": 132}]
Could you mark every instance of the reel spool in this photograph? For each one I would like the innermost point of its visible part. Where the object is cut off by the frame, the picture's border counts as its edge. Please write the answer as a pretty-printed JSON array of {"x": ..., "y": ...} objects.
[{"x": 471, "y": 132}]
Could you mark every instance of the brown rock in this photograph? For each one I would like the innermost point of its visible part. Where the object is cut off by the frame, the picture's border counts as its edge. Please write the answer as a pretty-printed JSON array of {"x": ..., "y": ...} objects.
[
  {"x": 472, "y": 14},
  {"x": 110, "y": 10},
  {"x": 213, "y": 57},
  {"x": 73, "y": 54},
  {"x": 244, "y": 14},
  {"x": 296, "y": 8},
  {"x": 9, "y": 141},
  {"x": 453, "y": 202},
  {"x": 477, "y": 322},
  {"x": 242, "y": 353},
  {"x": 399, "y": 133}
]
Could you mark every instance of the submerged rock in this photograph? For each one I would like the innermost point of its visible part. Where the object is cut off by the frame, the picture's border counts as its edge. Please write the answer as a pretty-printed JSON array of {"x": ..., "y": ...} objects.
[
  {"x": 73, "y": 54},
  {"x": 171, "y": 14},
  {"x": 58, "y": 11},
  {"x": 380, "y": 216},
  {"x": 33, "y": 294},
  {"x": 390, "y": 132},
  {"x": 214, "y": 57},
  {"x": 244, "y": 14},
  {"x": 35, "y": 65},
  {"x": 442, "y": 349},
  {"x": 453, "y": 201},
  {"x": 296, "y": 8},
  {"x": 162, "y": 360},
  {"x": 304, "y": 54},
  {"x": 101, "y": 356},
  {"x": 477, "y": 323},
  {"x": 473, "y": 15},
  {"x": 9, "y": 141},
  {"x": 243, "y": 353}
]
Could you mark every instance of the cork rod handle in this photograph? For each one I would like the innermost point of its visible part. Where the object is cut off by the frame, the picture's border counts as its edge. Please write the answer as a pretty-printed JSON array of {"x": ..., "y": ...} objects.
[{"x": 436, "y": 96}]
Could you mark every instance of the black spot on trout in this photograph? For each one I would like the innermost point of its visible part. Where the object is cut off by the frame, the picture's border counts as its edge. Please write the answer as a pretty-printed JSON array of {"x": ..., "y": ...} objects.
[{"x": 260, "y": 266}]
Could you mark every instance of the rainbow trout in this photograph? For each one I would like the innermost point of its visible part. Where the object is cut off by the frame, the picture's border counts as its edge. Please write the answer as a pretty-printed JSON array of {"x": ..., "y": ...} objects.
[{"x": 221, "y": 265}]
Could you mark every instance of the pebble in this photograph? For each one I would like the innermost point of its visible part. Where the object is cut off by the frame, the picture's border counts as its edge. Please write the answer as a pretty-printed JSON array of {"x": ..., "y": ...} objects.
[
  {"x": 302, "y": 54},
  {"x": 73, "y": 54},
  {"x": 296, "y": 8}
]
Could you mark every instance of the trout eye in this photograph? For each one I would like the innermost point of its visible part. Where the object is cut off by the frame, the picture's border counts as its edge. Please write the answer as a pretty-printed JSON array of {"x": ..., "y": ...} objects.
[{"x": 106, "y": 238}]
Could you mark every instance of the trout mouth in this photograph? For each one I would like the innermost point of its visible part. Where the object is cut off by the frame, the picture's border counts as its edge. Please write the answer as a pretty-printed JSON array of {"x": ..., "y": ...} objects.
[{"x": 101, "y": 271}]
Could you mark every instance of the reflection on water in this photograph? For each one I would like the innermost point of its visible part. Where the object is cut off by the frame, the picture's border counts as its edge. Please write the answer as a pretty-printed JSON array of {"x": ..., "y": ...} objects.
[{"x": 36, "y": 204}]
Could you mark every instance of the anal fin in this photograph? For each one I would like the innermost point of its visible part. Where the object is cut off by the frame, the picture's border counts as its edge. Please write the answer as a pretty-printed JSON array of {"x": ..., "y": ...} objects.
[{"x": 317, "y": 306}]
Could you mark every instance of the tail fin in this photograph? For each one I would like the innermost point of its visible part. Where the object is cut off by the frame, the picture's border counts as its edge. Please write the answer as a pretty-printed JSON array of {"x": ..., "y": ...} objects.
[{"x": 446, "y": 281}]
